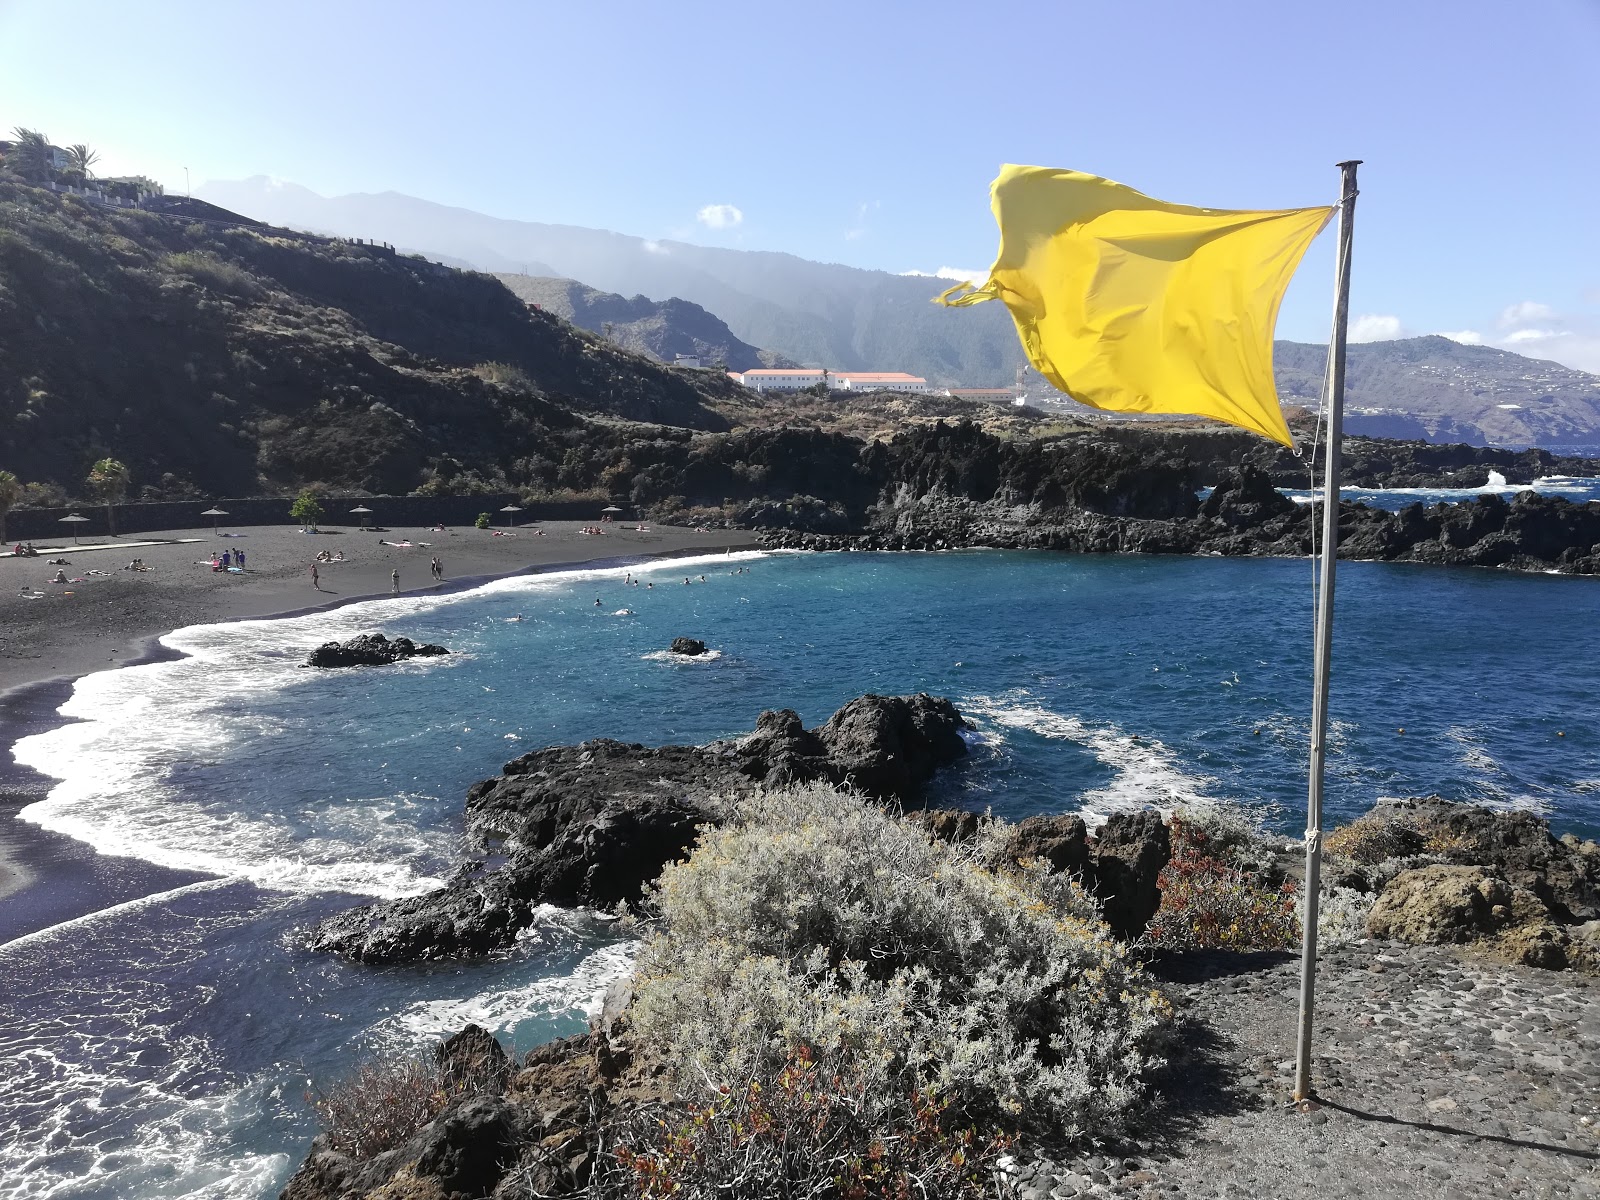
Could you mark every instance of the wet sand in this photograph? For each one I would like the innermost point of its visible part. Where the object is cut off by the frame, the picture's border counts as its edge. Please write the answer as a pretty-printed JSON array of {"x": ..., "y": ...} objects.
[{"x": 103, "y": 620}]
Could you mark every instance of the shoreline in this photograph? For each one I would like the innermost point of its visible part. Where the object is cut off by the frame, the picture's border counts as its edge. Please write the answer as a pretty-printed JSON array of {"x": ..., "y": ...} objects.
[{"x": 33, "y": 861}]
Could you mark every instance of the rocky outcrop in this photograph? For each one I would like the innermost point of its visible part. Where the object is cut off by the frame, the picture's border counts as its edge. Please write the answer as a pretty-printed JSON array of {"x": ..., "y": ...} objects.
[
  {"x": 1119, "y": 865},
  {"x": 1243, "y": 516},
  {"x": 1457, "y": 905},
  {"x": 1462, "y": 874},
  {"x": 462, "y": 1152},
  {"x": 592, "y": 824},
  {"x": 688, "y": 647},
  {"x": 370, "y": 650}
]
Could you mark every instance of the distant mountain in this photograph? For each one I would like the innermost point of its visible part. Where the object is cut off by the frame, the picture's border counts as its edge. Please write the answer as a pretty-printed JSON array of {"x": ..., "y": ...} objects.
[
  {"x": 821, "y": 314},
  {"x": 658, "y": 329},
  {"x": 1436, "y": 390}
]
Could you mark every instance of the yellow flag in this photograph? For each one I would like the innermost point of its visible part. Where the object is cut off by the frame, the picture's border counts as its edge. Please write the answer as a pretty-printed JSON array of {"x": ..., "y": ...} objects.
[{"x": 1131, "y": 304}]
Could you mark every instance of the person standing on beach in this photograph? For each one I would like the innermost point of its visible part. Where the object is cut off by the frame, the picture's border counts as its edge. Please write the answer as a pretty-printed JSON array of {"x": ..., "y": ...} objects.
[
  {"x": 394, "y": 581},
  {"x": 315, "y": 581}
]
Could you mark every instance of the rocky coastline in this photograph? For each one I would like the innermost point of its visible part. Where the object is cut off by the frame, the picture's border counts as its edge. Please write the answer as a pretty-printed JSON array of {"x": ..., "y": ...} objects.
[
  {"x": 1243, "y": 516},
  {"x": 592, "y": 824},
  {"x": 1464, "y": 1007}
]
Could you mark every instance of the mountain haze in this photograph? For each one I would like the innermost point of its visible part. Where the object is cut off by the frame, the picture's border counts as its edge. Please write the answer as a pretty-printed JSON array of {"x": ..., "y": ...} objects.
[
  {"x": 819, "y": 314},
  {"x": 659, "y": 329},
  {"x": 844, "y": 318}
]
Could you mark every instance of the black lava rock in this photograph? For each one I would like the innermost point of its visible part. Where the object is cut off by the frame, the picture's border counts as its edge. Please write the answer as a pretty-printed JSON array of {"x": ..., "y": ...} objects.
[{"x": 370, "y": 650}]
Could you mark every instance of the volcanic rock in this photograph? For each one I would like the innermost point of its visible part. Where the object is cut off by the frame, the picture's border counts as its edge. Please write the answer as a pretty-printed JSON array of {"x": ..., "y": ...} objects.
[
  {"x": 592, "y": 824},
  {"x": 688, "y": 647},
  {"x": 370, "y": 650}
]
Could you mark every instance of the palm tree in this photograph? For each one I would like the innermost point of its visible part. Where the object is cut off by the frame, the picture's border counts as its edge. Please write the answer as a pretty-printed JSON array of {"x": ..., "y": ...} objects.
[
  {"x": 30, "y": 156},
  {"x": 80, "y": 158},
  {"x": 109, "y": 480},
  {"x": 10, "y": 493}
]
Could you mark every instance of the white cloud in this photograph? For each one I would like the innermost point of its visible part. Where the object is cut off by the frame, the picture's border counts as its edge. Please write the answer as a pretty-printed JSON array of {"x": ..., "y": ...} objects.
[
  {"x": 1467, "y": 337},
  {"x": 958, "y": 274},
  {"x": 1537, "y": 335},
  {"x": 1371, "y": 327},
  {"x": 1526, "y": 313},
  {"x": 652, "y": 247},
  {"x": 719, "y": 216}
]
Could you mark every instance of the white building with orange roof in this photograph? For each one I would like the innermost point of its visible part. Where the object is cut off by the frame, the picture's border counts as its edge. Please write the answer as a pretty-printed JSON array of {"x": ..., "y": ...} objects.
[{"x": 879, "y": 381}]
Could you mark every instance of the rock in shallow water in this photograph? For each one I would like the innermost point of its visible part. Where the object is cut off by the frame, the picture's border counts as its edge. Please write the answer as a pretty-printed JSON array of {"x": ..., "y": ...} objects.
[
  {"x": 592, "y": 824},
  {"x": 370, "y": 650},
  {"x": 687, "y": 646}
]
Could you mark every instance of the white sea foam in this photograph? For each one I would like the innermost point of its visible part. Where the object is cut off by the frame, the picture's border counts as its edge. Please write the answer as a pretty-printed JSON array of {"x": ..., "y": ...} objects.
[
  {"x": 501, "y": 1010},
  {"x": 138, "y": 728},
  {"x": 1147, "y": 771},
  {"x": 54, "y": 932},
  {"x": 1473, "y": 756},
  {"x": 667, "y": 656},
  {"x": 1552, "y": 485}
]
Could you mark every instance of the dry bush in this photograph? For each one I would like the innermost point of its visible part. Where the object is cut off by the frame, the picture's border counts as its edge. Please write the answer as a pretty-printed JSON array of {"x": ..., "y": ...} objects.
[
  {"x": 387, "y": 1099},
  {"x": 1211, "y": 902},
  {"x": 815, "y": 924},
  {"x": 812, "y": 1132},
  {"x": 215, "y": 273},
  {"x": 1371, "y": 839}
]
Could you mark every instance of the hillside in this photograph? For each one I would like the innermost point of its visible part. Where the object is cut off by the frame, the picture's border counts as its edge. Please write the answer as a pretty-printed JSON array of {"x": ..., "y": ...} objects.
[
  {"x": 1435, "y": 389},
  {"x": 823, "y": 314},
  {"x": 231, "y": 360},
  {"x": 820, "y": 314},
  {"x": 657, "y": 329}
]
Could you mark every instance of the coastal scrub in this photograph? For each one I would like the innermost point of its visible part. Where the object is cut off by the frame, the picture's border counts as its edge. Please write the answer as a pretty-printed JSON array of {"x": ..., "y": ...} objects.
[{"x": 816, "y": 928}]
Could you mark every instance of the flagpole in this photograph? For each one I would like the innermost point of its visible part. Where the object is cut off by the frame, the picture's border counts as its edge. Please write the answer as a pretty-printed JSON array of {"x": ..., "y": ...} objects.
[{"x": 1324, "y": 633}]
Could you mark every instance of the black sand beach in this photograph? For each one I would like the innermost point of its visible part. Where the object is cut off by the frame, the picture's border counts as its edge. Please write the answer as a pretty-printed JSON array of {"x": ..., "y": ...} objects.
[{"x": 105, "y": 621}]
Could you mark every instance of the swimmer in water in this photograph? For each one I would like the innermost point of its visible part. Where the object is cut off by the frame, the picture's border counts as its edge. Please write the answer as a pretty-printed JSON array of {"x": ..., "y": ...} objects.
[
  {"x": 685, "y": 581},
  {"x": 597, "y": 601},
  {"x": 702, "y": 579},
  {"x": 518, "y": 617},
  {"x": 649, "y": 585}
]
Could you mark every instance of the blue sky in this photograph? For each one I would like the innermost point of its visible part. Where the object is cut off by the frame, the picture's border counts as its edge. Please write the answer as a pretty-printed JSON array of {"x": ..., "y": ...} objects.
[{"x": 867, "y": 133}]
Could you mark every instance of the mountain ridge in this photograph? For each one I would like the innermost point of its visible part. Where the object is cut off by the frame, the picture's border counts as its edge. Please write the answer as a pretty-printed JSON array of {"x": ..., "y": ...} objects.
[{"x": 850, "y": 318}]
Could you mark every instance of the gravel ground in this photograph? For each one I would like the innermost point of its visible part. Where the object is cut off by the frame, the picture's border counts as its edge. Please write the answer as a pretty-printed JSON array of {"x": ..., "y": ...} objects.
[{"x": 1438, "y": 1075}]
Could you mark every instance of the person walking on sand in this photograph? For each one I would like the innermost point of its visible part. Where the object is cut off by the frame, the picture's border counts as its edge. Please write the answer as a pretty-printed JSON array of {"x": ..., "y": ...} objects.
[
  {"x": 315, "y": 581},
  {"x": 394, "y": 581}
]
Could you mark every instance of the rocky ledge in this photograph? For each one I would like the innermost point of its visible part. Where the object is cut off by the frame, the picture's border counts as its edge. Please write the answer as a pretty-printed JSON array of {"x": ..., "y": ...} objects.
[
  {"x": 370, "y": 650},
  {"x": 1245, "y": 515},
  {"x": 591, "y": 824}
]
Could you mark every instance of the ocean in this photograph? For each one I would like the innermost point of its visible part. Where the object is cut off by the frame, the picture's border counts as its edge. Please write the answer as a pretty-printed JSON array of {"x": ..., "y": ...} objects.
[{"x": 163, "y": 1047}]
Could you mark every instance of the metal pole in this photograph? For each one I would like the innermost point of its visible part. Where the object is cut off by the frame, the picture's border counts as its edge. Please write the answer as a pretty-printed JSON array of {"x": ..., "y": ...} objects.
[{"x": 1324, "y": 634}]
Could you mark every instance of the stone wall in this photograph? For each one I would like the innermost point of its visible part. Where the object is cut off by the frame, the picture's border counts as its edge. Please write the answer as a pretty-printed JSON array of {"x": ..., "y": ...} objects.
[{"x": 44, "y": 524}]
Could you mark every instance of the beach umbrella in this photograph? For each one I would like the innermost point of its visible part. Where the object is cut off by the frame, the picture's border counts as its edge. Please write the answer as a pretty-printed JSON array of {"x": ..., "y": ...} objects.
[
  {"x": 363, "y": 512},
  {"x": 214, "y": 513},
  {"x": 513, "y": 510},
  {"x": 611, "y": 508},
  {"x": 75, "y": 520}
]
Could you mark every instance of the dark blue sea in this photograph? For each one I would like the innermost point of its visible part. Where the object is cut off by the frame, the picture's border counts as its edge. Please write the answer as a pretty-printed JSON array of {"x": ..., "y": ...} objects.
[{"x": 162, "y": 1047}]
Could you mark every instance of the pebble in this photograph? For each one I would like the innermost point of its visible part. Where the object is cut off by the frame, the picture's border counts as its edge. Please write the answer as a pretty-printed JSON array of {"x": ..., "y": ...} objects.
[{"x": 1439, "y": 1077}]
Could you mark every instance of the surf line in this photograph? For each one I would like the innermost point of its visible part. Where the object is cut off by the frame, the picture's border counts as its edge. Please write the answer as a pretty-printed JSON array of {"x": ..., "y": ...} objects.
[{"x": 127, "y": 906}]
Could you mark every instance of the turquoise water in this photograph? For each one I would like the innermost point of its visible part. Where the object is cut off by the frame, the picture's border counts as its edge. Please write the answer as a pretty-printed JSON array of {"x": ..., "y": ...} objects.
[{"x": 162, "y": 1048}]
